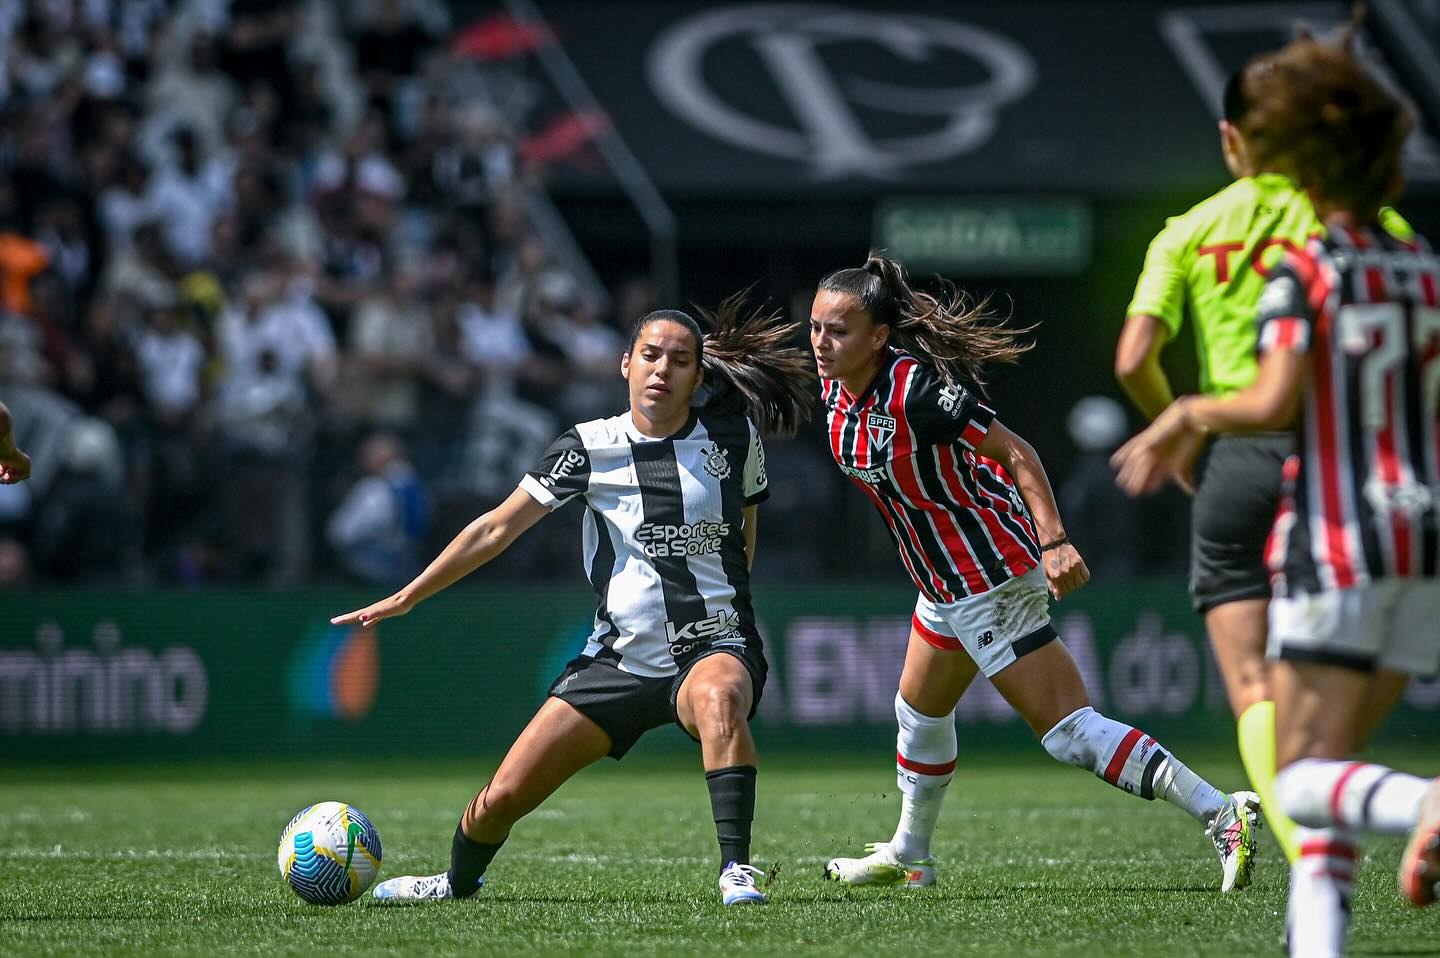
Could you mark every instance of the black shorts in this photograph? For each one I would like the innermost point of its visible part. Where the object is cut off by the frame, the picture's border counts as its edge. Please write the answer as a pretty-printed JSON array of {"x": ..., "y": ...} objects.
[
  {"x": 1237, "y": 492},
  {"x": 627, "y": 706}
]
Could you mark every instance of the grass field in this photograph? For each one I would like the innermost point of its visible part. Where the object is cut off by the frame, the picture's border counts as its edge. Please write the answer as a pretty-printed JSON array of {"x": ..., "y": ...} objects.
[{"x": 1036, "y": 860}]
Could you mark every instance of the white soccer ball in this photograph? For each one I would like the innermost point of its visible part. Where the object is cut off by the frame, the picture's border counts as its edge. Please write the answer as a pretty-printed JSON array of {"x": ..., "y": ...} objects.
[{"x": 329, "y": 853}]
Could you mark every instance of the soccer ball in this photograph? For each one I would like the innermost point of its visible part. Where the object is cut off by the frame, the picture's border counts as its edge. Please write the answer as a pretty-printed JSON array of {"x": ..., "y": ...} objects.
[{"x": 329, "y": 853}]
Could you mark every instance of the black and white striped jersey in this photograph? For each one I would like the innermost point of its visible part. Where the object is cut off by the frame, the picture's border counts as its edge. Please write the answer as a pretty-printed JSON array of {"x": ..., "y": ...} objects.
[{"x": 664, "y": 544}]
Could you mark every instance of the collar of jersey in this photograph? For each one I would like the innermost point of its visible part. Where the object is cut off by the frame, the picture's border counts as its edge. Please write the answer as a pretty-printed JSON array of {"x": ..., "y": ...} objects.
[
  {"x": 635, "y": 435},
  {"x": 1273, "y": 180}
]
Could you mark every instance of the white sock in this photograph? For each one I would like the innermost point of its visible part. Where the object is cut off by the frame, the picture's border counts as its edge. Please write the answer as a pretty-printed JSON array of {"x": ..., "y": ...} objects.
[
  {"x": 1175, "y": 783},
  {"x": 1322, "y": 881},
  {"x": 925, "y": 751},
  {"x": 918, "y": 817},
  {"x": 1319, "y": 792},
  {"x": 1131, "y": 761}
]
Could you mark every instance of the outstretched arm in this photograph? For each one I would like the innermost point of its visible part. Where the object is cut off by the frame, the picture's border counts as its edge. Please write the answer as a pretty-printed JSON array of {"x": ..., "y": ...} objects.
[
  {"x": 478, "y": 543},
  {"x": 1064, "y": 569},
  {"x": 14, "y": 464},
  {"x": 1168, "y": 448}
]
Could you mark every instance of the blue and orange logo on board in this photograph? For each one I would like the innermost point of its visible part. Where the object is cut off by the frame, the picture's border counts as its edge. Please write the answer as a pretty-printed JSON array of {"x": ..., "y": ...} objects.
[{"x": 335, "y": 672}]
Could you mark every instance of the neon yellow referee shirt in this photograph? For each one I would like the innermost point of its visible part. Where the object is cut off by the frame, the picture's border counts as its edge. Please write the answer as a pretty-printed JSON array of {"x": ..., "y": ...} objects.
[{"x": 1210, "y": 263}]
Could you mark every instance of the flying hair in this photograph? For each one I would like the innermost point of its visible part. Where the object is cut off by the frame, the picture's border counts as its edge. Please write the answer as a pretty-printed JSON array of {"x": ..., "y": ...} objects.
[
  {"x": 957, "y": 335},
  {"x": 750, "y": 360},
  {"x": 754, "y": 353}
]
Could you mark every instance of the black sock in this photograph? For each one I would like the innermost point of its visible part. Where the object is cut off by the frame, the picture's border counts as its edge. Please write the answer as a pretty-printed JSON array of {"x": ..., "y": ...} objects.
[
  {"x": 468, "y": 861},
  {"x": 732, "y": 799}
]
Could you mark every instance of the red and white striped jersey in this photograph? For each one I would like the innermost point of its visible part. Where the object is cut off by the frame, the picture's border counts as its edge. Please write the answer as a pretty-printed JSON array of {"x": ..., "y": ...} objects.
[
  {"x": 1360, "y": 500},
  {"x": 908, "y": 441}
]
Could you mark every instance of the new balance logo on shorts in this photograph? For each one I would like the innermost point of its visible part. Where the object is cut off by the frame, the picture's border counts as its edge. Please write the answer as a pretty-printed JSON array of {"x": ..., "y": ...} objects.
[{"x": 984, "y": 639}]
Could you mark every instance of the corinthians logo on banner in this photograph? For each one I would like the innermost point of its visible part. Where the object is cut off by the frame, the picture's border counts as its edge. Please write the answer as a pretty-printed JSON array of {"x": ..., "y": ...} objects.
[{"x": 794, "y": 44}]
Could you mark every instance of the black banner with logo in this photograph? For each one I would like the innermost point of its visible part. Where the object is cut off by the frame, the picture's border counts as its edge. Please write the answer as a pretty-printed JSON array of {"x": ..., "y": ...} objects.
[{"x": 774, "y": 98}]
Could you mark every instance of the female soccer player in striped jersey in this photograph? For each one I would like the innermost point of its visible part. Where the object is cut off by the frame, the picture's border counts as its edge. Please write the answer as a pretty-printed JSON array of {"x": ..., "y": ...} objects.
[
  {"x": 975, "y": 522},
  {"x": 1210, "y": 264},
  {"x": 1350, "y": 346},
  {"x": 671, "y": 489}
]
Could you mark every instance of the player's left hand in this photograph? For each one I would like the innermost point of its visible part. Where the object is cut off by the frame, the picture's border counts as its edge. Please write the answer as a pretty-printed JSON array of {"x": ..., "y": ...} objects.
[
  {"x": 1065, "y": 571},
  {"x": 386, "y": 608},
  {"x": 1165, "y": 450},
  {"x": 14, "y": 467}
]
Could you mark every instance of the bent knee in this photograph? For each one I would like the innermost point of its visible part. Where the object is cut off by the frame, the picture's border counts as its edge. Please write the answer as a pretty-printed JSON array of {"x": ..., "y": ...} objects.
[{"x": 720, "y": 708}]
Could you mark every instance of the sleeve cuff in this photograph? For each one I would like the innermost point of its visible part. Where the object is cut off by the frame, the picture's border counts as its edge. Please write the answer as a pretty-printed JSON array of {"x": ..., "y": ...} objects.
[
  {"x": 981, "y": 416},
  {"x": 1285, "y": 332},
  {"x": 539, "y": 493},
  {"x": 758, "y": 497}
]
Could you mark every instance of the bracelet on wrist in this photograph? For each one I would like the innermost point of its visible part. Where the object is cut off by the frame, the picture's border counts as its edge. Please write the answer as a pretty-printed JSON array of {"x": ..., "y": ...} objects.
[{"x": 1055, "y": 544}]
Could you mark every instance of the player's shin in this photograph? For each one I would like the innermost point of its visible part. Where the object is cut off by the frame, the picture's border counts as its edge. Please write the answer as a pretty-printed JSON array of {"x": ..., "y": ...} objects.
[
  {"x": 468, "y": 861},
  {"x": 732, "y": 800},
  {"x": 1131, "y": 761},
  {"x": 1322, "y": 881},
  {"x": 1319, "y": 792},
  {"x": 924, "y": 765}
]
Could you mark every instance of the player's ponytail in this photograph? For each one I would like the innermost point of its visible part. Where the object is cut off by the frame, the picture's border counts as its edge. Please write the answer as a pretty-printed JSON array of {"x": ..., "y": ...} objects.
[
  {"x": 752, "y": 353},
  {"x": 956, "y": 335}
]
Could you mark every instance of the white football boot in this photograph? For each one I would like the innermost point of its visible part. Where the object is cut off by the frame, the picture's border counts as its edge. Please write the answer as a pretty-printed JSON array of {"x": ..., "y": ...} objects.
[
  {"x": 417, "y": 888},
  {"x": 737, "y": 885},
  {"x": 1233, "y": 832},
  {"x": 881, "y": 867}
]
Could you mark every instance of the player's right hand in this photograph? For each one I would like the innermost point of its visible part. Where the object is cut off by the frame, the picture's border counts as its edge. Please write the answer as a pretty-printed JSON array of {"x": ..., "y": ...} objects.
[
  {"x": 387, "y": 608},
  {"x": 14, "y": 467},
  {"x": 1065, "y": 571}
]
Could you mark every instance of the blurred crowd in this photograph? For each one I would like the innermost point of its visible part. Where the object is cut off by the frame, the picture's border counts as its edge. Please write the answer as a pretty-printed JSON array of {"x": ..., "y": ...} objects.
[{"x": 265, "y": 264}]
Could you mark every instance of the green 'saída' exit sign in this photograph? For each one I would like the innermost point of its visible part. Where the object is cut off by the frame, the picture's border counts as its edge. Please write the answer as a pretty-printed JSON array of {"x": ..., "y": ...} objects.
[{"x": 986, "y": 236}]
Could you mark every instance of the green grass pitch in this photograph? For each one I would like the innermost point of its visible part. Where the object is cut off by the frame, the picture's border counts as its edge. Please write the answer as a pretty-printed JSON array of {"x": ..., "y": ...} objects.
[{"x": 1036, "y": 860}]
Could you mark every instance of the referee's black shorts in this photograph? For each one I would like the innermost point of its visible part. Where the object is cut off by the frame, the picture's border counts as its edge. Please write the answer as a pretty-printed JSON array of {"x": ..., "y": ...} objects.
[
  {"x": 627, "y": 706},
  {"x": 1237, "y": 492}
]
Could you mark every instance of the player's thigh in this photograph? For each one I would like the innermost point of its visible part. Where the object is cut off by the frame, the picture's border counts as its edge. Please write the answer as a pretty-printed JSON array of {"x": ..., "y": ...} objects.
[
  {"x": 1386, "y": 687},
  {"x": 558, "y": 742},
  {"x": 1043, "y": 686},
  {"x": 934, "y": 678},
  {"x": 1237, "y": 633},
  {"x": 1327, "y": 649},
  {"x": 1412, "y": 647},
  {"x": 1317, "y": 709},
  {"x": 718, "y": 683}
]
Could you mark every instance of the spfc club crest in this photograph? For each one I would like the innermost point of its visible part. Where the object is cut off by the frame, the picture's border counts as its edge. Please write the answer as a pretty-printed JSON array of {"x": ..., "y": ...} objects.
[
  {"x": 717, "y": 461},
  {"x": 881, "y": 428}
]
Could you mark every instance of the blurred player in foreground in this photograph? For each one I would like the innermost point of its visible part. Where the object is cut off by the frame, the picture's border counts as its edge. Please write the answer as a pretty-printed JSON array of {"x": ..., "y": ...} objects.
[
  {"x": 971, "y": 511},
  {"x": 1350, "y": 361},
  {"x": 671, "y": 489},
  {"x": 1210, "y": 264},
  {"x": 14, "y": 464}
]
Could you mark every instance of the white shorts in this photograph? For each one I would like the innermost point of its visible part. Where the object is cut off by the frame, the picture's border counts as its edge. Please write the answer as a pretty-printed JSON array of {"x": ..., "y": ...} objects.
[
  {"x": 995, "y": 627},
  {"x": 1391, "y": 624}
]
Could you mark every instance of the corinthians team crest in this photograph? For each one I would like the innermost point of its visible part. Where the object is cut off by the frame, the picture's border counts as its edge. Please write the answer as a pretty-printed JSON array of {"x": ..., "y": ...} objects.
[
  {"x": 717, "y": 461},
  {"x": 881, "y": 428}
]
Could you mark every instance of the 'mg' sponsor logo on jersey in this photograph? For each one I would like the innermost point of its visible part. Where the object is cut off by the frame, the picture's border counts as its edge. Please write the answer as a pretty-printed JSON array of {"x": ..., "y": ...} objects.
[
  {"x": 698, "y": 538},
  {"x": 564, "y": 467},
  {"x": 724, "y": 624}
]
